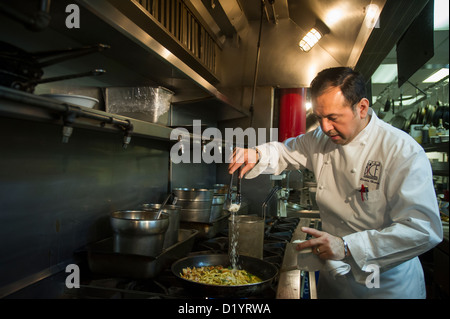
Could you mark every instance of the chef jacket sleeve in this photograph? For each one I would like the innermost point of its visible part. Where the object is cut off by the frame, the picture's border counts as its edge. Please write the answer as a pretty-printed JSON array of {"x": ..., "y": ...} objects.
[
  {"x": 415, "y": 225},
  {"x": 275, "y": 157}
]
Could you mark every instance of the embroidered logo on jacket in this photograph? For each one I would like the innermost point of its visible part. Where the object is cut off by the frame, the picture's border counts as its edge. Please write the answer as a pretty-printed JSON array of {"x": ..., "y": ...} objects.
[{"x": 372, "y": 172}]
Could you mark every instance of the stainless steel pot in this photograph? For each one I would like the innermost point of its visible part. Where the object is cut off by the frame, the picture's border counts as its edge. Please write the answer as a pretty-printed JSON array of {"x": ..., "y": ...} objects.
[
  {"x": 195, "y": 204},
  {"x": 173, "y": 211},
  {"x": 220, "y": 189},
  {"x": 217, "y": 206},
  {"x": 194, "y": 194},
  {"x": 219, "y": 199},
  {"x": 139, "y": 232}
]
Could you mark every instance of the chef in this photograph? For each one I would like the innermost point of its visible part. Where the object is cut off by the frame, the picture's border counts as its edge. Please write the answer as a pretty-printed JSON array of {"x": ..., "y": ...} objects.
[{"x": 374, "y": 191}]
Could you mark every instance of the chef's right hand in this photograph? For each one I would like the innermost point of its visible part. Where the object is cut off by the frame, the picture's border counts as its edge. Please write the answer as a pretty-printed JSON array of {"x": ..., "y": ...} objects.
[{"x": 246, "y": 157}]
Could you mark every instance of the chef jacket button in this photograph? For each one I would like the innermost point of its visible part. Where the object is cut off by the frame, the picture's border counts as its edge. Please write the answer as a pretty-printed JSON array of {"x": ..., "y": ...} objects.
[
  {"x": 327, "y": 162},
  {"x": 320, "y": 187},
  {"x": 353, "y": 170},
  {"x": 363, "y": 143}
]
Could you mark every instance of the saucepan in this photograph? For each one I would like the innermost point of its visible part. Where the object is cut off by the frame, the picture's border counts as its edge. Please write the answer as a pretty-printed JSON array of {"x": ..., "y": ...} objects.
[
  {"x": 266, "y": 271},
  {"x": 22, "y": 70}
]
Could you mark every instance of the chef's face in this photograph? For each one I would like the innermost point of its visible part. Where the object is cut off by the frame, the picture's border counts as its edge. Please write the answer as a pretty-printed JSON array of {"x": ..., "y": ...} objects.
[{"x": 339, "y": 120}]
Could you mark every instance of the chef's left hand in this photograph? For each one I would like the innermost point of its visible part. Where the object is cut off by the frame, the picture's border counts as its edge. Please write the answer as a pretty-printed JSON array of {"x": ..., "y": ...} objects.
[{"x": 323, "y": 244}]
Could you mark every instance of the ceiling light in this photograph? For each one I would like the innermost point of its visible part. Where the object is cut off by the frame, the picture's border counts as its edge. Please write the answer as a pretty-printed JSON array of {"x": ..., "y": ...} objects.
[
  {"x": 310, "y": 40},
  {"x": 334, "y": 16},
  {"x": 435, "y": 77},
  {"x": 372, "y": 14},
  {"x": 313, "y": 36}
]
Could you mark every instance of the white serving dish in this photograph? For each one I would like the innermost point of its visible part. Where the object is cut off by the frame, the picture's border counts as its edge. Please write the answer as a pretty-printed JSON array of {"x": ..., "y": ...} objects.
[{"x": 79, "y": 100}]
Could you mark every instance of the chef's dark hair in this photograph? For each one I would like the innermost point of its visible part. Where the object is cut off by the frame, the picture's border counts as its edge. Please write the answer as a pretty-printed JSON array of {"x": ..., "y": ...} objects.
[{"x": 351, "y": 83}]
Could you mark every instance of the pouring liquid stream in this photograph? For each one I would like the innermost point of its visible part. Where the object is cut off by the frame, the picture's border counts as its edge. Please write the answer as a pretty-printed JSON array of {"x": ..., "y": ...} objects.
[
  {"x": 233, "y": 207},
  {"x": 234, "y": 237}
]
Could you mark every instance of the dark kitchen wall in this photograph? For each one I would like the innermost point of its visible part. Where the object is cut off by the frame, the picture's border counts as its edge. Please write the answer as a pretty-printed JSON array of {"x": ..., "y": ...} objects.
[{"x": 56, "y": 197}]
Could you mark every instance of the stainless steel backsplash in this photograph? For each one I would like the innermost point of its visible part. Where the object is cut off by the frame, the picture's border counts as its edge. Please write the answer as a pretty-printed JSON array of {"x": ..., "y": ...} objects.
[{"x": 55, "y": 197}]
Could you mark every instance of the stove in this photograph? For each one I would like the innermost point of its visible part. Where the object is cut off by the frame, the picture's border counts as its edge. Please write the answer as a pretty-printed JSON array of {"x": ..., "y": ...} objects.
[{"x": 102, "y": 279}]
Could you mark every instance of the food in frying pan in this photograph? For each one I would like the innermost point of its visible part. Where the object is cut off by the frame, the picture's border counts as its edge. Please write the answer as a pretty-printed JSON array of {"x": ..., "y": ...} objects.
[{"x": 218, "y": 275}]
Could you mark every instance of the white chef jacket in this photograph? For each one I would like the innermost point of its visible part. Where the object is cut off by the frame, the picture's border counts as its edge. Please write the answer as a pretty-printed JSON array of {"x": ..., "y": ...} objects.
[{"x": 397, "y": 220}]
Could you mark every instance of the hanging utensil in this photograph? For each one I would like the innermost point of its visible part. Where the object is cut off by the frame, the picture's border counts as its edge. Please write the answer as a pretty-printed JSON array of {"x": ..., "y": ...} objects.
[
  {"x": 429, "y": 113},
  {"x": 387, "y": 105},
  {"x": 398, "y": 121},
  {"x": 438, "y": 114},
  {"x": 22, "y": 70},
  {"x": 158, "y": 214}
]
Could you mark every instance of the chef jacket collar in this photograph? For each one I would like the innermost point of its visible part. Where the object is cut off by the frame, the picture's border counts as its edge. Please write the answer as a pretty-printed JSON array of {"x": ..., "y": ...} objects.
[{"x": 363, "y": 136}]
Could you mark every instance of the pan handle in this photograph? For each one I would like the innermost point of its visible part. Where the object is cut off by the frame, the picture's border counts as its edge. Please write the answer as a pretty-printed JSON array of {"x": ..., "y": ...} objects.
[
  {"x": 38, "y": 21},
  {"x": 95, "y": 72},
  {"x": 66, "y": 54}
]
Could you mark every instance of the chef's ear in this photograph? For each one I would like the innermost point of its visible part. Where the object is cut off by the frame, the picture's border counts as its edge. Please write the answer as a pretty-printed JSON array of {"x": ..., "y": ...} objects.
[{"x": 364, "y": 105}]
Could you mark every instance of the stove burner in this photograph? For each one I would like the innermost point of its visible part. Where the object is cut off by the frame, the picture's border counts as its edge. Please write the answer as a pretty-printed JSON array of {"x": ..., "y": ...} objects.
[{"x": 165, "y": 285}]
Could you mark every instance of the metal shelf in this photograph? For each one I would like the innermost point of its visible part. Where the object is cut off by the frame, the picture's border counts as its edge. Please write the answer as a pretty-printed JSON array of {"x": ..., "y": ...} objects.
[
  {"x": 138, "y": 42},
  {"x": 438, "y": 147},
  {"x": 141, "y": 53},
  {"x": 27, "y": 106},
  {"x": 439, "y": 168}
]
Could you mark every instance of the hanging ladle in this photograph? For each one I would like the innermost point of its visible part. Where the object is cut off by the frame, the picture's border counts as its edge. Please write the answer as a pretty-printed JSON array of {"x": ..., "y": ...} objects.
[{"x": 161, "y": 208}]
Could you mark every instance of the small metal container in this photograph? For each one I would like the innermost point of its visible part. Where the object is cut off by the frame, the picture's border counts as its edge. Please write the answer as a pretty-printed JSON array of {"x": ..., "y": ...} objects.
[
  {"x": 149, "y": 104},
  {"x": 194, "y": 194},
  {"x": 247, "y": 233},
  {"x": 139, "y": 232}
]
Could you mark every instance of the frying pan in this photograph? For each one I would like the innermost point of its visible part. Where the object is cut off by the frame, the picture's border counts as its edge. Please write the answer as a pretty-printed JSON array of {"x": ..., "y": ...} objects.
[
  {"x": 411, "y": 121},
  {"x": 429, "y": 113},
  {"x": 22, "y": 70},
  {"x": 441, "y": 113},
  {"x": 420, "y": 114},
  {"x": 263, "y": 269}
]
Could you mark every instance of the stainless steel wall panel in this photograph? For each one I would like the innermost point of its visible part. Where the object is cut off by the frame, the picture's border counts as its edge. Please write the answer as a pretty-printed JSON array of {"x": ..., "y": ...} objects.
[{"x": 57, "y": 197}]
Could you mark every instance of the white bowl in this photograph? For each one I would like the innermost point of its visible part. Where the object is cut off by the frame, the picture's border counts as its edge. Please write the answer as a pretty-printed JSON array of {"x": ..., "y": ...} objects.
[{"x": 79, "y": 100}]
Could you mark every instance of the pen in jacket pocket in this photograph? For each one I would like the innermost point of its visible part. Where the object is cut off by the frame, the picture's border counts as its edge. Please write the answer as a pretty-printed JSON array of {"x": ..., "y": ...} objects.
[{"x": 364, "y": 193}]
